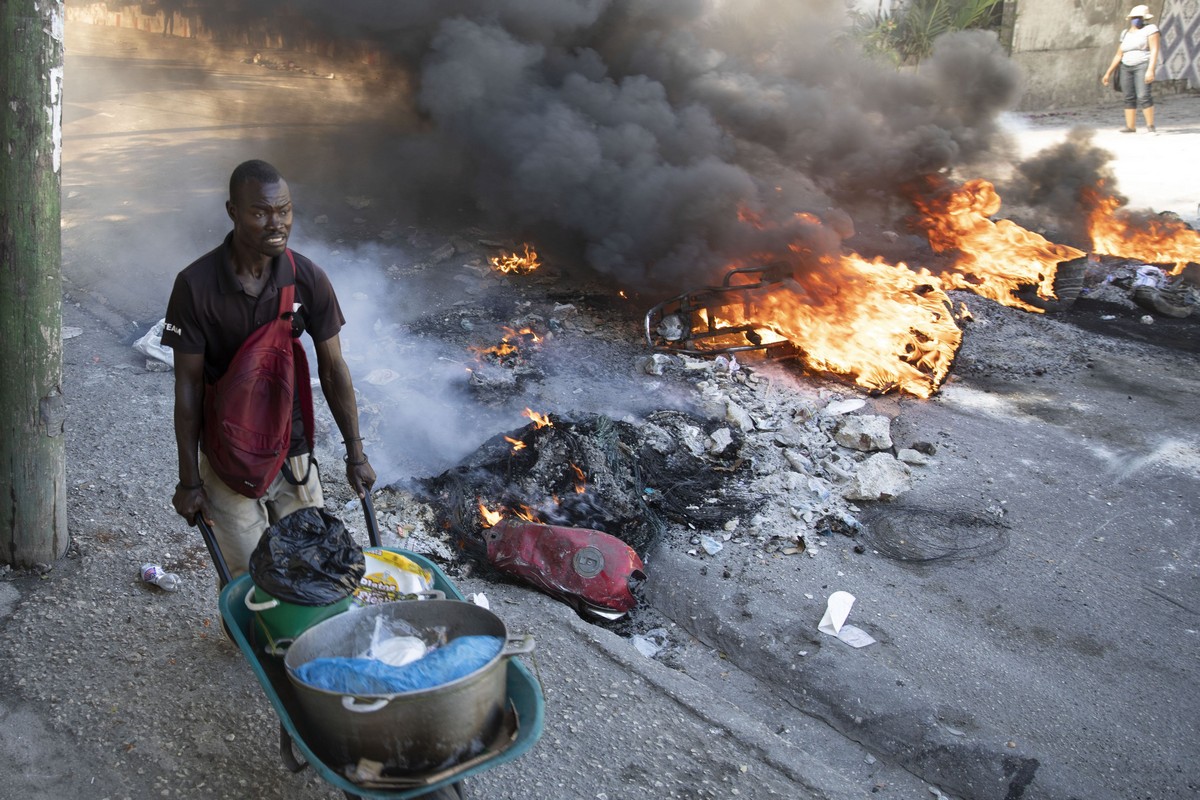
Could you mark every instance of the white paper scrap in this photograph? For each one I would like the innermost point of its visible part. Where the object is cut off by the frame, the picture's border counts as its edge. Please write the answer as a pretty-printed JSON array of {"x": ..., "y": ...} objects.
[{"x": 837, "y": 609}]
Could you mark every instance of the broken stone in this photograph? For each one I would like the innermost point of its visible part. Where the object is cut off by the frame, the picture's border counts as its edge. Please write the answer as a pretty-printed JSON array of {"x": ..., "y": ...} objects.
[
  {"x": 912, "y": 457},
  {"x": 791, "y": 436},
  {"x": 865, "y": 433},
  {"x": 654, "y": 364},
  {"x": 798, "y": 461},
  {"x": 738, "y": 416},
  {"x": 880, "y": 477},
  {"x": 928, "y": 448},
  {"x": 820, "y": 488},
  {"x": 719, "y": 439}
]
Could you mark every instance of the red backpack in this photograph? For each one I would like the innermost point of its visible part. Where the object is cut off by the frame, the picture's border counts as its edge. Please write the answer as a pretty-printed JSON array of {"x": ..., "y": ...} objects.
[{"x": 248, "y": 411}]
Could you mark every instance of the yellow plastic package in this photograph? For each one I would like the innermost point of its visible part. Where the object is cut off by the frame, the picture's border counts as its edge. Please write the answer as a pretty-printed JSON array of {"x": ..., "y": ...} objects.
[{"x": 390, "y": 576}]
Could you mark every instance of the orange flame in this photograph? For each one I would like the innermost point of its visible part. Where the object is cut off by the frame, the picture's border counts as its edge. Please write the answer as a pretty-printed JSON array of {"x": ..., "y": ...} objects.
[
  {"x": 517, "y": 444},
  {"x": 499, "y": 351},
  {"x": 887, "y": 326},
  {"x": 994, "y": 259},
  {"x": 490, "y": 518},
  {"x": 540, "y": 420},
  {"x": 580, "y": 480},
  {"x": 517, "y": 263},
  {"x": 525, "y": 333},
  {"x": 507, "y": 346},
  {"x": 1156, "y": 240}
]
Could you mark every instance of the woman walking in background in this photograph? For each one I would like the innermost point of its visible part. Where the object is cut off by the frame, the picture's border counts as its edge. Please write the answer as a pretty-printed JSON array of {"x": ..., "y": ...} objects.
[{"x": 1136, "y": 58}]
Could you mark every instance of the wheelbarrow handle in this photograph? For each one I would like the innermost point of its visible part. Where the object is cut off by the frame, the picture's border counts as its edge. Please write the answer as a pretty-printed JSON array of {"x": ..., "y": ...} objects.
[
  {"x": 369, "y": 516},
  {"x": 214, "y": 550}
]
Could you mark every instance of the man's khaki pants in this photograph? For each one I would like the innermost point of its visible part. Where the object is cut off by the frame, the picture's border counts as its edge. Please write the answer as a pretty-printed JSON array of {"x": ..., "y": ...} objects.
[{"x": 239, "y": 522}]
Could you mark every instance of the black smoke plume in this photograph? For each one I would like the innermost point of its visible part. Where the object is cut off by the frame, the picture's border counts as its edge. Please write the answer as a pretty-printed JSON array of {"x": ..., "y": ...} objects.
[{"x": 667, "y": 140}]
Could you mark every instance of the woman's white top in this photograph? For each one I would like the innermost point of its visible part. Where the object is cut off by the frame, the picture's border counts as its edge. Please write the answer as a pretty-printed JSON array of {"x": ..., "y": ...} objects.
[{"x": 1135, "y": 45}]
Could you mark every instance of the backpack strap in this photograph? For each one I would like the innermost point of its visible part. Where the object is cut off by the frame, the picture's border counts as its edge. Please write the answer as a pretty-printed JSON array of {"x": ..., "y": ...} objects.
[{"x": 302, "y": 386}]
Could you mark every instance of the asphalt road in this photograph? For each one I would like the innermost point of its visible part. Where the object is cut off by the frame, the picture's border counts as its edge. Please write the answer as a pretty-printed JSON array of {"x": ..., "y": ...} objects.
[{"x": 1035, "y": 597}]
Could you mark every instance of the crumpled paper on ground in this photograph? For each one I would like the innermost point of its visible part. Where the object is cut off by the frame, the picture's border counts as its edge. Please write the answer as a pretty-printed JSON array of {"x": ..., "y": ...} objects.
[{"x": 833, "y": 623}]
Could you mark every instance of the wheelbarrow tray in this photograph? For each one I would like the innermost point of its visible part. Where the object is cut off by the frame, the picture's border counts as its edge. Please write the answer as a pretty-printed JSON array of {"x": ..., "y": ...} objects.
[{"x": 524, "y": 696}]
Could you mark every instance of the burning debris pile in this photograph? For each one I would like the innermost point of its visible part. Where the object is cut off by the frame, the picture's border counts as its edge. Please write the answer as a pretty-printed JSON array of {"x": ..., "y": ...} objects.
[
  {"x": 762, "y": 463},
  {"x": 597, "y": 473},
  {"x": 892, "y": 327}
]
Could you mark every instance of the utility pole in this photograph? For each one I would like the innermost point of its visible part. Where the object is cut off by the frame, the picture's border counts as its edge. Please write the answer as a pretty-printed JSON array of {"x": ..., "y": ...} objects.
[{"x": 33, "y": 497}]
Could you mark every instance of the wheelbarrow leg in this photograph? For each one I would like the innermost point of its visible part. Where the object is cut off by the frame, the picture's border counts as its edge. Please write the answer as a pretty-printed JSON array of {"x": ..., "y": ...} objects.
[{"x": 287, "y": 753}]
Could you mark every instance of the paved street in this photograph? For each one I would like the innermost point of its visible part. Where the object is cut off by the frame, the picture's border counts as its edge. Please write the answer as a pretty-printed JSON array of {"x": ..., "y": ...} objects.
[{"x": 1034, "y": 597}]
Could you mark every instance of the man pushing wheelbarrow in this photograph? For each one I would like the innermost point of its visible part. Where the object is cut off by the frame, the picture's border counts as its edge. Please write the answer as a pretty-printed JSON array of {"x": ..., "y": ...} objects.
[{"x": 243, "y": 402}]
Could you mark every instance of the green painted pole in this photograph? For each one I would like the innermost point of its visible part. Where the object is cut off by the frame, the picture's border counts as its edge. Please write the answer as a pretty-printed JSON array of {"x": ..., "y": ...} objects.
[{"x": 33, "y": 498}]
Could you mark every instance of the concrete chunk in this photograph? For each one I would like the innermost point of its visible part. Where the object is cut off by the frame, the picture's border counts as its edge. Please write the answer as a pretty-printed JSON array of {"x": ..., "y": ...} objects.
[
  {"x": 880, "y": 477},
  {"x": 866, "y": 433}
]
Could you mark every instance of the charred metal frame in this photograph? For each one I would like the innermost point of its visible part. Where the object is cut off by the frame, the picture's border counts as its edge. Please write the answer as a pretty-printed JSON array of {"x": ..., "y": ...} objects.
[{"x": 697, "y": 332}]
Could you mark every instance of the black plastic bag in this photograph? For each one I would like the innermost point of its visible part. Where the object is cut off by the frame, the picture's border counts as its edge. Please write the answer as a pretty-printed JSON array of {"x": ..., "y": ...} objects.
[{"x": 307, "y": 558}]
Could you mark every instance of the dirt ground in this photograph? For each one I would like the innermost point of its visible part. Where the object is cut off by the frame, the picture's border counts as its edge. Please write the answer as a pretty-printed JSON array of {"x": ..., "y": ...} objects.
[{"x": 1034, "y": 595}]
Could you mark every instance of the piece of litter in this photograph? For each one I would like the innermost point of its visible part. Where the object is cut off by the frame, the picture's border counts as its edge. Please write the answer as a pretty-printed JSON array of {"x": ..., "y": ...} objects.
[
  {"x": 711, "y": 545},
  {"x": 1109, "y": 316},
  {"x": 479, "y": 599},
  {"x": 69, "y": 332},
  {"x": 837, "y": 609}
]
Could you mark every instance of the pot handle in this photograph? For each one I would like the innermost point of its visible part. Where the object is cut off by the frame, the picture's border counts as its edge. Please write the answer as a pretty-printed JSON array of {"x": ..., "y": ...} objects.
[
  {"x": 253, "y": 606},
  {"x": 350, "y": 703},
  {"x": 517, "y": 646}
]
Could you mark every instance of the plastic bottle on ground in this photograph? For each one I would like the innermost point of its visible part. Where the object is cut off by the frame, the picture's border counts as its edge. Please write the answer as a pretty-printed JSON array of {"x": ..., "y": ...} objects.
[{"x": 153, "y": 573}]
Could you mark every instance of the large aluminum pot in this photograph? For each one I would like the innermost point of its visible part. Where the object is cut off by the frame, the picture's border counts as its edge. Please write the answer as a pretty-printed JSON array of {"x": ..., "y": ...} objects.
[{"x": 418, "y": 731}]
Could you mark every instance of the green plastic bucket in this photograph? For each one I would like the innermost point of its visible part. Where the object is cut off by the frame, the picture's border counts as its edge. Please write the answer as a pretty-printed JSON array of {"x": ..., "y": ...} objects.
[{"x": 279, "y": 622}]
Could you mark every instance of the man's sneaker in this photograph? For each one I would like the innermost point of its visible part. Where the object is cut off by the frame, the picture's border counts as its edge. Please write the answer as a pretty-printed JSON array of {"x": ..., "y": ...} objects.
[
  {"x": 1151, "y": 129},
  {"x": 1128, "y": 130}
]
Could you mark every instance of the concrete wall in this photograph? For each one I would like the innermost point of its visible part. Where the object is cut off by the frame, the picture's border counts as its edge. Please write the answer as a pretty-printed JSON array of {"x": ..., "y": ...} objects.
[{"x": 1064, "y": 46}]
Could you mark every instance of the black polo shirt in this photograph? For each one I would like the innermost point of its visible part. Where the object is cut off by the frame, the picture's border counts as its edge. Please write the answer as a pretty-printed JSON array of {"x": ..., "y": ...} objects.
[{"x": 209, "y": 314}]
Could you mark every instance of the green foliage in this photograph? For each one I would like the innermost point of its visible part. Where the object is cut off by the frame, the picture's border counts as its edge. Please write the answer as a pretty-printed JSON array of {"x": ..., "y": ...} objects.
[{"x": 907, "y": 36}]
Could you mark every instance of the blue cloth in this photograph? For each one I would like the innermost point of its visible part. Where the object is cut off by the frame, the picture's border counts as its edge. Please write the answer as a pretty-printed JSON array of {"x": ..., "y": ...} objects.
[{"x": 361, "y": 676}]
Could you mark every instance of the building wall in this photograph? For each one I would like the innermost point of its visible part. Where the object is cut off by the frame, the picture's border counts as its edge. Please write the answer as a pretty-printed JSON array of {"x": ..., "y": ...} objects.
[{"x": 1064, "y": 46}]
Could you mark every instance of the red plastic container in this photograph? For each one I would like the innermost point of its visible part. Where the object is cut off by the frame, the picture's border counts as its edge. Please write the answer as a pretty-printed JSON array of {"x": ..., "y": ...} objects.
[{"x": 589, "y": 569}]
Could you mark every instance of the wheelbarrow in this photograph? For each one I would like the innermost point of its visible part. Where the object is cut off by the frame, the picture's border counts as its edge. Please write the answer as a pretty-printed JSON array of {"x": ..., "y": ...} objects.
[{"x": 525, "y": 713}]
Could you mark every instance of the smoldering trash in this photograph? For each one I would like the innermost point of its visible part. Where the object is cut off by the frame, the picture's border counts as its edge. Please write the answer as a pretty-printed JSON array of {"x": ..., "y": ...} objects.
[{"x": 572, "y": 506}]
